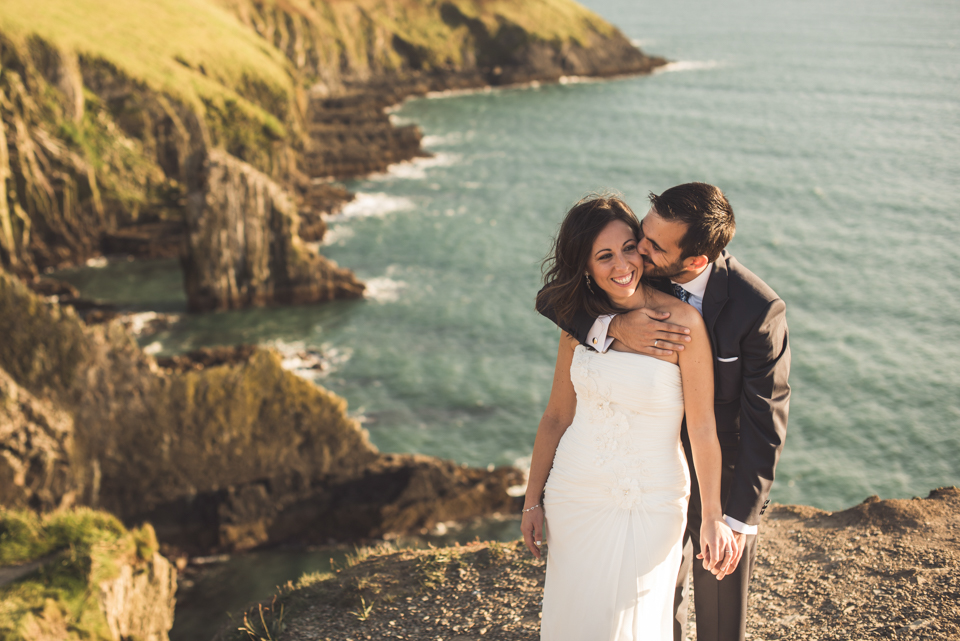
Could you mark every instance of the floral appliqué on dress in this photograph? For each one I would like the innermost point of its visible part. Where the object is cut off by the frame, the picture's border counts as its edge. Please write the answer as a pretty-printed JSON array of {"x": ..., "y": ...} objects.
[{"x": 610, "y": 424}]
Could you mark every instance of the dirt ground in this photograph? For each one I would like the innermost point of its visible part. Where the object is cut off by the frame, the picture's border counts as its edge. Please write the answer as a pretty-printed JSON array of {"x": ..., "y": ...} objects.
[{"x": 880, "y": 570}]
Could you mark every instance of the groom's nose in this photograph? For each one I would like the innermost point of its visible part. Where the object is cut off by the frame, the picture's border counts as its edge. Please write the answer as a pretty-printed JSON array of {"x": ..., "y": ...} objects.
[{"x": 643, "y": 246}]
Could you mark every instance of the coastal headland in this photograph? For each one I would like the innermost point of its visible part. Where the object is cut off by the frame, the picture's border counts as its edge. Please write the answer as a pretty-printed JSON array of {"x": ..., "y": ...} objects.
[
  {"x": 884, "y": 569},
  {"x": 211, "y": 131}
]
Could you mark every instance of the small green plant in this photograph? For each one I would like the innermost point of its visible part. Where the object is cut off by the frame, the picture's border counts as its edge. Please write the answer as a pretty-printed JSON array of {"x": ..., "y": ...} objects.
[
  {"x": 271, "y": 623},
  {"x": 498, "y": 550},
  {"x": 432, "y": 567},
  {"x": 364, "y": 611}
]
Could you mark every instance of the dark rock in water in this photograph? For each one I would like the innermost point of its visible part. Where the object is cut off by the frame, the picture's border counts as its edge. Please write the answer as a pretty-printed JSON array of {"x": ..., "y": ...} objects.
[
  {"x": 53, "y": 287},
  {"x": 352, "y": 135},
  {"x": 208, "y": 357},
  {"x": 243, "y": 245}
]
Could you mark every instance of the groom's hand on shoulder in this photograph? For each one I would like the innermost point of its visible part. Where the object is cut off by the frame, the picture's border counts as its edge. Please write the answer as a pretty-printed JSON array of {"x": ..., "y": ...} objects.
[{"x": 646, "y": 331}]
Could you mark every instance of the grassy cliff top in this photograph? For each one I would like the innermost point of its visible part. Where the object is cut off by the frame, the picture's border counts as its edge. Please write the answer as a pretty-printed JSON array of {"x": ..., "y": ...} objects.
[
  {"x": 249, "y": 54},
  {"x": 194, "y": 50},
  {"x": 74, "y": 551}
]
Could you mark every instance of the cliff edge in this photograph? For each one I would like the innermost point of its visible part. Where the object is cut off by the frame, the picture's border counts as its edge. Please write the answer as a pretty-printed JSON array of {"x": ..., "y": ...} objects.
[{"x": 879, "y": 570}]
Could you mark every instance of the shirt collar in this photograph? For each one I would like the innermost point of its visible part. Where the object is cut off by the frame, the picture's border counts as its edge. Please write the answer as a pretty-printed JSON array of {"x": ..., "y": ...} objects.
[{"x": 698, "y": 286}]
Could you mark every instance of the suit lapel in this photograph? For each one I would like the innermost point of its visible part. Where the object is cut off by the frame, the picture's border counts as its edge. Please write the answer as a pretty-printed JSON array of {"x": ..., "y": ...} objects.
[{"x": 716, "y": 295}]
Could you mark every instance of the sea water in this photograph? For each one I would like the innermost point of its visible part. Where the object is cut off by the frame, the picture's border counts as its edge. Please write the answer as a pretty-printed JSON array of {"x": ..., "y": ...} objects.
[{"x": 832, "y": 126}]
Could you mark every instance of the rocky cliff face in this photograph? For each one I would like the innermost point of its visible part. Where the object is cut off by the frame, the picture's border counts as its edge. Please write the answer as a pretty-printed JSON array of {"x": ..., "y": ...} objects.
[
  {"x": 36, "y": 450},
  {"x": 139, "y": 602},
  {"x": 230, "y": 455},
  {"x": 104, "y": 149},
  {"x": 244, "y": 247}
]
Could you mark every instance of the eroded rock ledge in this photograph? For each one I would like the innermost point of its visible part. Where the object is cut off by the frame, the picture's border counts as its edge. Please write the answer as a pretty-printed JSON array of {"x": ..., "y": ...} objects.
[{"x": 880, "y": 570}]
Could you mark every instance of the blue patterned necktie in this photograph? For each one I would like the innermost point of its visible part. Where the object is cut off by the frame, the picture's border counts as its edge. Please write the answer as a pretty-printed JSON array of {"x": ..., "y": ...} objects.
[{"x": 681, "y": 293}]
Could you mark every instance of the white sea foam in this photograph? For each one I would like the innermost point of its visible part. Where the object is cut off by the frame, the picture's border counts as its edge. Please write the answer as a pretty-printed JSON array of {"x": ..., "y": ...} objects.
[
  {"x": 416, "y": 169},
  {"x": 399, "y": 121},
  {"x": 141, "y": 322},
  {"x": 522, "y": 463},
  {"x": 450, "y": 93},
  {"x": 375, "y": 204},
  {"x": 153, "y": 348},
  {"x": 578, "y": 80},
  {"x": 687, "y": 65},
  {"x": 309, "y": 362},
  {"x": 385, "y": 289},
  {"x": 452, "y": 138},
  {"x": 337, "y": 235}
]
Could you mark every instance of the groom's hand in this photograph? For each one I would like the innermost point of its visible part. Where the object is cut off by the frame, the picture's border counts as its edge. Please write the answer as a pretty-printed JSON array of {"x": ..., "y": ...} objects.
[
  {"x": 730, "y": 563},
  {"x": 644, "y": 331}
]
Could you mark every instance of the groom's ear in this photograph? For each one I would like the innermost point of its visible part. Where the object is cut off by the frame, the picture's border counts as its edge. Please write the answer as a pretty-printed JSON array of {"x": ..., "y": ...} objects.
[{"x": 695, "y": 263}]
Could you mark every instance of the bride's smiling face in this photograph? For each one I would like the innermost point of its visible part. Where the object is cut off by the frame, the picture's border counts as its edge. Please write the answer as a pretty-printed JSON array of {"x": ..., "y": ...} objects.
[{"x": 615, "y": 264}]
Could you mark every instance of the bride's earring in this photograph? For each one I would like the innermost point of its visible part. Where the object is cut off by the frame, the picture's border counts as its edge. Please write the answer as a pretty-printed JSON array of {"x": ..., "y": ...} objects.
[{"x": 588, "y": 283}]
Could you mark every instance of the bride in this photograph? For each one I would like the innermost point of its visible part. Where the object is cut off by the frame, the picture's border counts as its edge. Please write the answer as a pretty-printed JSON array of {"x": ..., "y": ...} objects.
[{"x": 609, "y": 483}]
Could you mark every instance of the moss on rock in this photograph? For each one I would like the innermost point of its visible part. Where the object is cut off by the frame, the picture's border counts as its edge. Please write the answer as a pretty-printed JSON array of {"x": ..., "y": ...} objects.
[{"x": 71, "y": 566}]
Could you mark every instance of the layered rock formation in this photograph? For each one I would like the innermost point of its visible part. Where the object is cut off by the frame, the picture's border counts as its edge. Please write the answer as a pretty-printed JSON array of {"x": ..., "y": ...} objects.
[
  {"x": 166, "y": 148},
  {"x": 234, "y": 453},
  {"x": 244, "y": 246},
  {"x": 36, "y": 450}
]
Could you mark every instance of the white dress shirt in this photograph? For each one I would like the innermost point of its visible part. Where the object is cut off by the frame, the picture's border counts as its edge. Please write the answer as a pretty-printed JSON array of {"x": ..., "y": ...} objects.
[{"x": 597, "y": 336}]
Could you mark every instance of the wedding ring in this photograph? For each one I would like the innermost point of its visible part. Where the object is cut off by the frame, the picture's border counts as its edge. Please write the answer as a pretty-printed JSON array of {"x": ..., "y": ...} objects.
[
  {"x": 655, "y": 342},
  {"x": 537, "y": 542}
]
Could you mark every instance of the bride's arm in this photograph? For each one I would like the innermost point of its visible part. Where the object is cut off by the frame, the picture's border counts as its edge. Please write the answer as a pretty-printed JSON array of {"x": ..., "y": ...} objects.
[
  {"x": 556, "y": 419},
  {"x": 717, "y": 542}
]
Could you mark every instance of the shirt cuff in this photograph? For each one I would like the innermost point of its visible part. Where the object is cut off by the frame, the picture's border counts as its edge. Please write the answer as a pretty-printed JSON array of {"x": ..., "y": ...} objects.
[
  {"x": 740, "y": 526},
  {"x": 597, "y": 336}
]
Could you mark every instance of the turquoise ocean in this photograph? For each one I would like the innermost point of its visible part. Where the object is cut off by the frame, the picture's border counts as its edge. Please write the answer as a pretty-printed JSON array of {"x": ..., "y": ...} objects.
[{"x": 832, "y": 126}]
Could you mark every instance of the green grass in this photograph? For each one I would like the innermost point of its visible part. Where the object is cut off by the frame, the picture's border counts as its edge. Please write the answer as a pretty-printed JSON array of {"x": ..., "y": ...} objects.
[
  {"x": 192, "y": 49},
  {"x": 85, "y": 547}
]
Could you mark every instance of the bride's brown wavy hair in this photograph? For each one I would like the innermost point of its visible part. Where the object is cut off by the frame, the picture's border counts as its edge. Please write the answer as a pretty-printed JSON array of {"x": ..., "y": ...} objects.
[{"x": 565, "y": 288}]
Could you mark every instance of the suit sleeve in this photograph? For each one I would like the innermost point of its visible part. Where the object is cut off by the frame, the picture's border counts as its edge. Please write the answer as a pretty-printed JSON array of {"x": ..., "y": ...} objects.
[
  {"x": 764, "y": 404},
  {"x": 579, "y": 328}
]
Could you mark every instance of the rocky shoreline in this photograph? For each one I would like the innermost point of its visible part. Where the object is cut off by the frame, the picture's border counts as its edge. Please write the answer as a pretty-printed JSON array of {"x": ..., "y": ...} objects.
[
  {"x": 229, "y": 168},
  {"x": 880, "y": 570}
]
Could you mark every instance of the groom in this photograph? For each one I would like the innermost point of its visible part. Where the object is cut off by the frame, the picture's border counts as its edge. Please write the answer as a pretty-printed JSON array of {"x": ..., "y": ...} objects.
[{"x": 684, "y": 236}]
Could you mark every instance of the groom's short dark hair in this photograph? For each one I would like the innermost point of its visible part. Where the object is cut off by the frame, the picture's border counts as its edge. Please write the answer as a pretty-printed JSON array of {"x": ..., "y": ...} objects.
[{"x": 705, "y": 211}]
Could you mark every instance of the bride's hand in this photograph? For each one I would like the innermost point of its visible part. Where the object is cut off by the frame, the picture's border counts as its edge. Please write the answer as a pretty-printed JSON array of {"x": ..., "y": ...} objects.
[
  {"x": 532, "y": 528},
  {"x": 720, "y": 549}
]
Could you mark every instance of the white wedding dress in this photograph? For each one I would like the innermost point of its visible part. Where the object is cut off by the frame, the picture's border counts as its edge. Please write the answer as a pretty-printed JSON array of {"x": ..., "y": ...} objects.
[{"x": 615, "y": 503}]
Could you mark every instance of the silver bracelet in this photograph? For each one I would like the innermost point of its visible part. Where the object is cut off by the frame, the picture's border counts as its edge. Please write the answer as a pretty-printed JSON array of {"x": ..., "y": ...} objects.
[{"x": 531, "y": 508}]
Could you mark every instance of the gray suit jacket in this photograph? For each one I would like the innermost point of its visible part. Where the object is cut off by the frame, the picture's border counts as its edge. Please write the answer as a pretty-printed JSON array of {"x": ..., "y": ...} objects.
[{"x": 747, "y": 324}]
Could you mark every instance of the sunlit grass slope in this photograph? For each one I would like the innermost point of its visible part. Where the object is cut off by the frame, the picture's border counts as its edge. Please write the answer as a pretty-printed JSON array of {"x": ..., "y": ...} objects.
[{"x": 191, "y": 49}]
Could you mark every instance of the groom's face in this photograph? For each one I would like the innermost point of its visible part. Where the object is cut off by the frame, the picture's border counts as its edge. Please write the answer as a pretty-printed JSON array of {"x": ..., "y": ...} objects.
[{"x": 660, "y": 246}]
